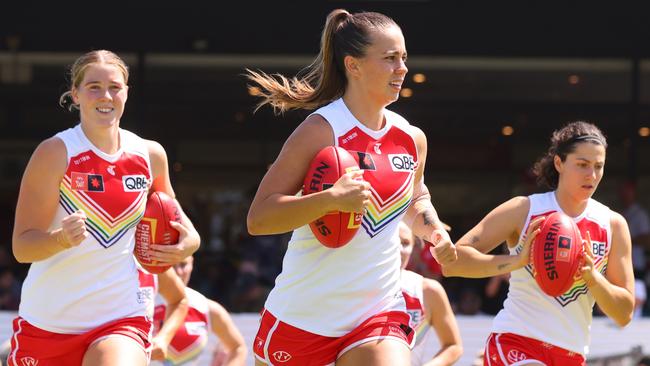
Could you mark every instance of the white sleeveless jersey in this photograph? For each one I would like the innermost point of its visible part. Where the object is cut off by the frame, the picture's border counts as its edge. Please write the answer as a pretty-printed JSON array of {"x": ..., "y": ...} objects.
[
  {"x": 563, "y": 321},
  {"x": 191, "y": 338},
  {"x": 81, "y": 288},
  {"x": 331, "y": 291},
  {"x": 148, "y": 289},
  {"x": 412, "y": 288}
]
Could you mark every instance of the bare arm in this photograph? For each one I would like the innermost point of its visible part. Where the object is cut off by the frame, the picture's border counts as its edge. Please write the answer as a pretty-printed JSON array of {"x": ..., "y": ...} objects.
[
  {"x": 37, "y": 203},
  {"x": 171, "y": 288},
  {"x": 442, "y": 319},
  {"x": 504, "y": 223},
  {"x": 189, "y": 239},
  {"x": 421, "y": 216},
  {"x": 613, "y": 292},
  {"x": 276, "y": 209},
  {"x": 225, "y": 329}
]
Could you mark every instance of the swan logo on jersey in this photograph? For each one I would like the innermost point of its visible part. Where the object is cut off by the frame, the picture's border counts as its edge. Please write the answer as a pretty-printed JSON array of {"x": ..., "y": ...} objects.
[
  {"x": 377, "y": 150},
  {"x": 29, "y": 361},
  {"x": 135, "y": 183},
  {"x": 401, "y": 162},
  {"x": 87, "y": 182},
  {"x": 365, "y": 161},
  {"x": 281, "y": 356},
  {"x": 111, "y": 169},
  {"x": 516, "y": 355}
]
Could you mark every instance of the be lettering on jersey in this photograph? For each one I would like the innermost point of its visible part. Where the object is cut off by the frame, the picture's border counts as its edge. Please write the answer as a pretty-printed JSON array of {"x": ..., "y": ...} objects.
[
  {"x": 135, "y": 183},
  {"x": 401, "y": 162}
]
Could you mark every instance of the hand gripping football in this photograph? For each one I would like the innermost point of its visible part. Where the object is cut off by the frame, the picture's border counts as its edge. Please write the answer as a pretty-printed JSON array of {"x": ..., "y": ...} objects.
[
  {"x": 335, "y": 229},
  {"x": 154, "y": 228},
  {"x": 556, "y": 254}
]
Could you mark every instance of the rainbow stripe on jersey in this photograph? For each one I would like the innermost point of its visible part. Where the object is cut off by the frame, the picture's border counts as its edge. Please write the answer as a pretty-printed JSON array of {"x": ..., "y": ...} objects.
[{"x": 89, "y": 186}]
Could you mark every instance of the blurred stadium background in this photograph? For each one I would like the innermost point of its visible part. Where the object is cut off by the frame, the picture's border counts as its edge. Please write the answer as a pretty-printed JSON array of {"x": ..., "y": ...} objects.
[{"x": 487, "y": 82}]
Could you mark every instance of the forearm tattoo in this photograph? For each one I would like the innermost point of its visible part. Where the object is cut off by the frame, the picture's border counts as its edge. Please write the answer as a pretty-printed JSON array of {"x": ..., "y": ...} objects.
[{"x": 429, "y": 218}]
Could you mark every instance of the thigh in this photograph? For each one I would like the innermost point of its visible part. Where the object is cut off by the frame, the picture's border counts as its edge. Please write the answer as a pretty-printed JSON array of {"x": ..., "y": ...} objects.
[
  {"x": 382, "y": 352},
  {"x": 115, "y": 350}
]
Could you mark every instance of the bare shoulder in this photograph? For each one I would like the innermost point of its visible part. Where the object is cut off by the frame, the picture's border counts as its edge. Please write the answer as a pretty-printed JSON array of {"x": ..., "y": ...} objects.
[
  {"x": 156, "y": 150},
  {"x": 619, "y": 224},
  {"x": 514, "y": 208},
  {"x": 311, "y": 136},
  {"x": 50, "y": 153},
  {"x": 418, "y": 135},
  {"x": 315, "y": 129},
  {"x": 433, "y": 287},
  {"x": 521, "y": 204}
]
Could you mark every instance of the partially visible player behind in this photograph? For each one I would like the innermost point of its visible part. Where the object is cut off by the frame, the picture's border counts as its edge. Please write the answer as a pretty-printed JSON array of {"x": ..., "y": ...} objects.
[
  {"x": 428, "y": 307},
  {"x": 82, "y": 193},
  {"x": 172, "y": 289},
  {"x": 204, "y": 316}
]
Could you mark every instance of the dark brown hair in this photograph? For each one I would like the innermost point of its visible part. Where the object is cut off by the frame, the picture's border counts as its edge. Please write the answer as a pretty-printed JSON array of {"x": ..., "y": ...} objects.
[
  {"x": 324, "y": 80},
  {"x": 563, "y": 142}
]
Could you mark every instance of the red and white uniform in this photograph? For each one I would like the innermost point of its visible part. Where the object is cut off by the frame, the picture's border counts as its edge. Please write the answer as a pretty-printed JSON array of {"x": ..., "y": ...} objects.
[
  {"x": 191, "y": 338},
  {"x": 562, "y": 321},
  {"x": 412, "y": 288},
  {"x": 328, "y": 291},
  {"x": 148, "y": 290},
  {"x": 84, "y": 287}
]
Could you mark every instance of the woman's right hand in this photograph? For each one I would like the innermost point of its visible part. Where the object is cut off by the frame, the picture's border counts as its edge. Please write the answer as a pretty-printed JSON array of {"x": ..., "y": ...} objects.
[
  {"x": 351, "y": 192},
  {"x": 533, "y": 229},
  {"x": 73, "y": 230}
]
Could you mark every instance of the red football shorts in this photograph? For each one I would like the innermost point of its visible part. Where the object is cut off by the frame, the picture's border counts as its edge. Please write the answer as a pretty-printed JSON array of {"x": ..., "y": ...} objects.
[
  {"x": 278, "y": 343},
  {"x": 507, "y": 349},
  {"x": 31, "y": 346}
]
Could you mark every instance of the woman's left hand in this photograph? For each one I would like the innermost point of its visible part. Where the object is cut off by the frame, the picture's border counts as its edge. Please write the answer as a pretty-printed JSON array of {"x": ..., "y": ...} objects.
[
  {"x": 188, "y": 243},
  {"x": 158, "y": 349},
  {"x": 586, "y": 270}
]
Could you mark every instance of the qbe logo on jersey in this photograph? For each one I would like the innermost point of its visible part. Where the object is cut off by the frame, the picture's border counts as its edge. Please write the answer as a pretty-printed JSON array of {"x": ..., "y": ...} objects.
[
  {"x": 135, "y": 183},
  {"x": 401, "y": 162}
]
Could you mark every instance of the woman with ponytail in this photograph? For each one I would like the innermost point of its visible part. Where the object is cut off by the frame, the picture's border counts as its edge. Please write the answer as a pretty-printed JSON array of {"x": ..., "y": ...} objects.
[{"x": 344, "y": 306}]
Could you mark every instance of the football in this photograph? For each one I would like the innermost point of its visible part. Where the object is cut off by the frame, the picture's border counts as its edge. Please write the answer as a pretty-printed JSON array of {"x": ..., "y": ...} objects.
[
  {"x": 154, "y": 228},
  {"x": 556, "y": 254},
  {"x": 335, "y": 229}
]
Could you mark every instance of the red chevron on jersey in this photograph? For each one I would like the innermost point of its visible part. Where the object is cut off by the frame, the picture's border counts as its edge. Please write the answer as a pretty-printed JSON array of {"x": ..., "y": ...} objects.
[
  {"x": 190, "y": 338},
  {"x": 415, "y": 310},
  {"x": 112, "y": 194},
  {"x": 389, "y": 164}
]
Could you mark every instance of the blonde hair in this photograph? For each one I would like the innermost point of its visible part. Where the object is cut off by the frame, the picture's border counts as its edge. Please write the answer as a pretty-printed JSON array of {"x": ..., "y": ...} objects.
[
  {"x": 78, "y": 71},
  {"x": 324, "y": 80}
]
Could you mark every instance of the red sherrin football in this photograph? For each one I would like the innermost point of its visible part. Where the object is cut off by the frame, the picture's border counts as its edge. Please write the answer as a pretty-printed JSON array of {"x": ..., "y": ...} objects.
[
  {"x": 154, "y": 228},
  {"x": 335, "y": 229},
  {"x": 556, "y": 254}
]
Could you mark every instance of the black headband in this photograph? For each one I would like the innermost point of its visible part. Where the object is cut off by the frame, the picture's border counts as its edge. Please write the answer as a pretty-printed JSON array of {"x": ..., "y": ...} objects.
[{"x": 582, "y": 138}]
